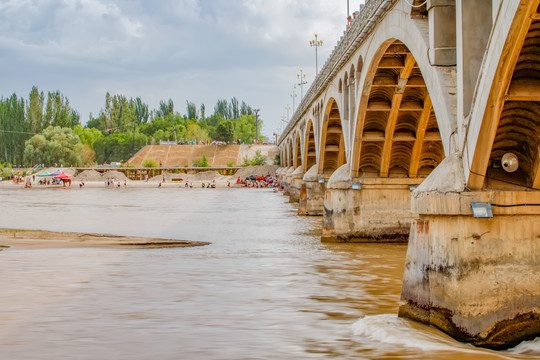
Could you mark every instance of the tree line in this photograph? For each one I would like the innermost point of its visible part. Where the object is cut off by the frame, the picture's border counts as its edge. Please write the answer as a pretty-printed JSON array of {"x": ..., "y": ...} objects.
[{"x": 45, "y": 129}]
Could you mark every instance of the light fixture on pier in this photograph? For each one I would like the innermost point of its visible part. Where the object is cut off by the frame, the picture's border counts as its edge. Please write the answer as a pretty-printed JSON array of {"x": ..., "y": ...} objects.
[
  {"x": 510, "y": 162},
  {"x": 356, "y": 186},
  {"x": 413, "y": 187},
  {"x": 321, "y": 180},
  {"x": 481, "y": 210}
]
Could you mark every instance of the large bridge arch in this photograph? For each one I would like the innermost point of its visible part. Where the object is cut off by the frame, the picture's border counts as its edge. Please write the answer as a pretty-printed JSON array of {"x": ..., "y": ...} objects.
[
  {"x": 332, "y": 150},
  {"x": 396, "y": 131},
  {"x": 439, "y": 81},
  {"x": 511, "y": 87}
]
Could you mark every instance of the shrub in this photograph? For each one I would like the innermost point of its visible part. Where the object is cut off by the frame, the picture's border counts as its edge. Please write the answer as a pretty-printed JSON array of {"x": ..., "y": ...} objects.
[
  {"x": 259, "y": 159},
  {"x": 230, "y": 164},
  {"x": 201, "y": 163},
  {"x": 150, "y": 163},
  {"x": 277, "y": 160}
]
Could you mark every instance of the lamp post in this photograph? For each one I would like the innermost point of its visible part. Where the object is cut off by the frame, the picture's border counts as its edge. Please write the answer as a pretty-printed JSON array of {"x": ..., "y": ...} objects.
[
  {"x": 256, "y": 111},
  {"x": 281, "y": 125},
  {"x": 302, "y": 78},
  {"x": 316, "y": 43},
  {"x": 288, "y": 107},
  {"x": 293, "y": 95}
]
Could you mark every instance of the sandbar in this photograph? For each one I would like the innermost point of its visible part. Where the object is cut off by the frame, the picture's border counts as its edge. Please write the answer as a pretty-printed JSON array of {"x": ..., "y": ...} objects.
[{"x": 42, "y": 239}]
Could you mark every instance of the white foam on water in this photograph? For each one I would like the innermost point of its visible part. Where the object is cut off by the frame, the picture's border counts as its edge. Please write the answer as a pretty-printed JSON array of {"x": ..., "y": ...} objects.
[
  {"x": 527, "y": 347},
  {"x": 390, "y": 329}
]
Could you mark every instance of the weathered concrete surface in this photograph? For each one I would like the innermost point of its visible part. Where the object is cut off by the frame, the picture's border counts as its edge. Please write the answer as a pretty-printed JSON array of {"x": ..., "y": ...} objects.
[
  {"x": 461, "y": 276},
  {"x": 476, "y": 279},
  {"x": 296, "y": 184},
  {"x": 311, "y": 202},
  {"x": 379, "y": 212}
]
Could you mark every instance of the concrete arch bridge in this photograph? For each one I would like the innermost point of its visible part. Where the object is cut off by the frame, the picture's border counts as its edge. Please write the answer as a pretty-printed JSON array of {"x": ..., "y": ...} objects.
[{"x": 424, "y": 126}]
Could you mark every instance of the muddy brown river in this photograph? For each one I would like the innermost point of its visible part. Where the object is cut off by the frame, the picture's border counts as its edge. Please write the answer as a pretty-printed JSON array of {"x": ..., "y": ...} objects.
[{"x": 266, "y": 288}]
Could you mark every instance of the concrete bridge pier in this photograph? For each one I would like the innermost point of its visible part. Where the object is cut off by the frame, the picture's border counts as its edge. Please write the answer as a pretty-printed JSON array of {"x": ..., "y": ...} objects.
[
  {"x": 296, "y": 184},
  {"x": 367, "y": 209},
  {"x": 311, "y": 202},
  {"x": 286, "y": 176},
  {"x": 474, "y": 278}
]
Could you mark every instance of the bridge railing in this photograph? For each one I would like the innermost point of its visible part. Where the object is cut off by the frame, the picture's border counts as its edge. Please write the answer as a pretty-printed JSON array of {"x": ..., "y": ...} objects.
[{"x": 362, "y": 25}]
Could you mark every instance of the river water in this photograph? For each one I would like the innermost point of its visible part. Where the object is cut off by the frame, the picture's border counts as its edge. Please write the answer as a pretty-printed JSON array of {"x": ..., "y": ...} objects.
[{"x": 266, "y": 288}]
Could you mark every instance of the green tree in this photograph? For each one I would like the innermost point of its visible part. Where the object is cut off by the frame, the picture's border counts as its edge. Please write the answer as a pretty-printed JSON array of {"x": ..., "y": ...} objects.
[
  {"x": 258, "y": 159},
  {"x": 87, "y": 136},
  {"x": 194, "y": 133},
  {"x": 34, "y": 110},
  {"x": 54, "y": 145},
  {"x": 58, "y": 112},
  {"x": 165, "y": 108},
  {"x": 245, "y": 128},
  {"x": 118, "y": 147},
  {"x": 140, "y": 111},
  {"x": 202, "y": 163},
  {"x": 225, "y": 131},
  {"x": 14, "y": 129},
  {"x": 191, "y": 109}
]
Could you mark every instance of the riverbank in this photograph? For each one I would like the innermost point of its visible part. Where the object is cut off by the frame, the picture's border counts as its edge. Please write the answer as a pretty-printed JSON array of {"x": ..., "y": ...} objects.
[
  {"x": 42, "y": 239},
  {"x": 94, "y": 179}
]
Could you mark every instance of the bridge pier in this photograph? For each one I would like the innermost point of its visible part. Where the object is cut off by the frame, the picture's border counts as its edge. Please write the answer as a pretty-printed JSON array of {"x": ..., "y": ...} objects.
[
  {"x": 311, "y": 201},
  {"x": 474, "y": 278},
  {"x": 376, "y": 210},
  {"x": 296, "y": 184},
  {"x": 287, "y": 180}
]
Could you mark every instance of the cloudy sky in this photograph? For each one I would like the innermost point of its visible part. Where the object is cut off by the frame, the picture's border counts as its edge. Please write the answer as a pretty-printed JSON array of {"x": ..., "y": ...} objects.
[{"x": 196, "y": 50}]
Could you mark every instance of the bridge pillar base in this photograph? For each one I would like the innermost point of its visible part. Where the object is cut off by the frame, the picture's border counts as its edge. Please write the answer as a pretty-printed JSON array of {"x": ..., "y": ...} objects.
[
  {"x": 367, "y": 215},
  {"x": 475, "y": 278},
  {"x": 286, "y": 176},
  {"x": 311, "y": 197},
  {"x": 378, "y": 212},
  {"x": 311, "y": 201},
  {"x": 295, "y": 186}
]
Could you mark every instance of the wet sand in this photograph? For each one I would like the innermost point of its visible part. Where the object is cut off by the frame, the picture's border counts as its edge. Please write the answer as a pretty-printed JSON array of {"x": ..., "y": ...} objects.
[{"x": 41, "y": 239}]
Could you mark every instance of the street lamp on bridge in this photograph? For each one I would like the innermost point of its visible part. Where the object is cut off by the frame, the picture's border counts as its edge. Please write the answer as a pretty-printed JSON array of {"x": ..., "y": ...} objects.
[
  {"x": 293, "y": 95},
  {"x": 316, "y": 43},
  {"x": 302, "y": 78},
  {"x": 288, "y": 107},
  {"x": 256, "y": 111}
]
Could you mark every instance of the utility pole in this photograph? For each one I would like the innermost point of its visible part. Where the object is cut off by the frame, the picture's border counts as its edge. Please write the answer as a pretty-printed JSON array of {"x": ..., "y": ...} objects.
[{"x": 256, "y": 111}]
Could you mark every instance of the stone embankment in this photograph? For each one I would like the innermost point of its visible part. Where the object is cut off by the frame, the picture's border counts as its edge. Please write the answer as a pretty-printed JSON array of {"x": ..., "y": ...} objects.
[{"x": 216, "y": 155}]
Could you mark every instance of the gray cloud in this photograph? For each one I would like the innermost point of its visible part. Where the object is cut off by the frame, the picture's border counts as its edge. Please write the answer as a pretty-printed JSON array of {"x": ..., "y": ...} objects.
[{"x": 181, "y": 49}]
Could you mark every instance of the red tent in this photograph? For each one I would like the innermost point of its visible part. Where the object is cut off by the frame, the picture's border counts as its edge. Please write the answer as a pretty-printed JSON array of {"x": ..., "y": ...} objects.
[{"x": 62, "y": 175}]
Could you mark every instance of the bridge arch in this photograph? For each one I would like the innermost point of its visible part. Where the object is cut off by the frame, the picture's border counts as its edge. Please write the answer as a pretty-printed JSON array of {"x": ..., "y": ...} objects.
[
  {"x": 310, "y": 151},
  {"x": 290, "y": 157},
  {"x": 332, "y": 151},
  {"x": 396, "y": 132},
  {"x": 511, "y": 124},
  {"x": 297, "y": 151}
]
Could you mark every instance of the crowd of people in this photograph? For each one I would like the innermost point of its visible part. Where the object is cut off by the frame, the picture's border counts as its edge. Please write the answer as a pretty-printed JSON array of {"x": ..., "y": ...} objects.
[{"x": 258, "y": 181}]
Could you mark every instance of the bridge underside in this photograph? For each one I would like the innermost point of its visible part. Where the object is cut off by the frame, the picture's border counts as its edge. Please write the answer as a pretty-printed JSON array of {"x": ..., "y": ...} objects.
[{"x": 384, "y": 159}]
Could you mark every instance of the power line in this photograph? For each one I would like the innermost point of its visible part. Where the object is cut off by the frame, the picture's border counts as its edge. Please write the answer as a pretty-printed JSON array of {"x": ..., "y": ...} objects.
[{"x": 17, "y": 132}]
